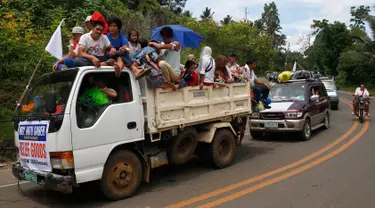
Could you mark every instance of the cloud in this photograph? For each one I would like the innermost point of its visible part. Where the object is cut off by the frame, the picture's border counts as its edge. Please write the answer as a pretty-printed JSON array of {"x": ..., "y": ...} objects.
[{"x": 295, "y": 15}]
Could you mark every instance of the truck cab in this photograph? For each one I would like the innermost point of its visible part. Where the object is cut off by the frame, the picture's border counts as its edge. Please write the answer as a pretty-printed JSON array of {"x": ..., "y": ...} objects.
[{"x": 67, "y": 135}]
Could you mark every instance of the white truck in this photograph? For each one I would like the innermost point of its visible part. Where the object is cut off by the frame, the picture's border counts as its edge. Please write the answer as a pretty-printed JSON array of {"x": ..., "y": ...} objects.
[{"x": 63, "y": 143}]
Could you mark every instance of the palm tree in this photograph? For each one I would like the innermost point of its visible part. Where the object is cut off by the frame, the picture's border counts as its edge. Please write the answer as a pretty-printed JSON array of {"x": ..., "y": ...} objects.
[
  {"x": 206, "y": 14},
  {"x": 188, "y": 14},
  {"x": 227, "y": 20}
]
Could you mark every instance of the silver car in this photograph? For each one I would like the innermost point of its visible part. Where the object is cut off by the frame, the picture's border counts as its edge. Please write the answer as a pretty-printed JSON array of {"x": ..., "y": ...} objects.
[{"x": 332, "y": 92}]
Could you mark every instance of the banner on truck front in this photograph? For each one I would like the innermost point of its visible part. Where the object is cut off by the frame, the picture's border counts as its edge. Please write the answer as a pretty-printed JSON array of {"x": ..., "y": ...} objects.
[{"x": 33, "y": 149}]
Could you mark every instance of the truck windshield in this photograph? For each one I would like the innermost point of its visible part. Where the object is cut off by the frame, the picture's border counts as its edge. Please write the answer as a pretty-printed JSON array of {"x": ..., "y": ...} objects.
[
  {"x": 283, "y": 93},
  {"x": 34, "y": 100}
]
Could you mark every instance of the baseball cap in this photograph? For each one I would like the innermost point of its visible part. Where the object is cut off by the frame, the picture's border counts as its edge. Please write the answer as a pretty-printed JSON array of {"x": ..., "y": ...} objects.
[
  {"x": 78, "y": 30},
  {"x": 88, "y": 18},
  {"x": 232, "y": 54}
]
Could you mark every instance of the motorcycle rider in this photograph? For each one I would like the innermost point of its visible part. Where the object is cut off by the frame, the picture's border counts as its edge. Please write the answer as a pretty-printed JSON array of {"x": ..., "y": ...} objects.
[{"x": 361, "y": 91}]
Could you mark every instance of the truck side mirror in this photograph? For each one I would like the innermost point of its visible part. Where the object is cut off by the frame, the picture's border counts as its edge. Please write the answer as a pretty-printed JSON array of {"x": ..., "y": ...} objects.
[
  {"x": 50, "y": 102},
  {"x": 314, "y": 98}
]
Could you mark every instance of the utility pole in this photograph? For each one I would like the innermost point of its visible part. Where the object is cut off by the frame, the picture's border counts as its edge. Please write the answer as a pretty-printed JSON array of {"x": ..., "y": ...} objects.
[
  {"x": 286, "y": 57},
  {"x": 246, "y": 12}
]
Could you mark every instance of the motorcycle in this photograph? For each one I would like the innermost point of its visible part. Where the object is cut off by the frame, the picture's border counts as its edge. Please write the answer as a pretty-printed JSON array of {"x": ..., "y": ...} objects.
[{"x": 361, "y": 108}]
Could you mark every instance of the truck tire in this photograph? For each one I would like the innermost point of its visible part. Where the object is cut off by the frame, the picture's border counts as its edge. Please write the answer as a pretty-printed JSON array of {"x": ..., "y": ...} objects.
[
  {"x": 305, "y": 134},
  {"x": 183, "y": 146},
  {"x": 122, "y": 175},
  {"x": 256, "y": 135},
  {"x": 222, "y": 148}
]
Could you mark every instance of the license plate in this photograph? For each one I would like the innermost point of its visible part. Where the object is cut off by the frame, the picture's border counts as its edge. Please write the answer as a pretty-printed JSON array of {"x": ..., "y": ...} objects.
[
  {"x": 31, "y": 177},
  {"x": 271, "y": 125}
]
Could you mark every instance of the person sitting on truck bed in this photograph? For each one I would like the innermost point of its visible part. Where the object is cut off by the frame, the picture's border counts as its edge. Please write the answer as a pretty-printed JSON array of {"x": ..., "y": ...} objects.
[
  {"x": 120, "y": 49},
  {"x": 92, "y": 48},
  {"x": 222, "y": 75},
  {"x": 260, "y": 88},
  {"x": 206, "y": 68},
  {"x": 170, "y": 49},
  {"x": 68, "y": 60},
  {"x": 190, "y": 76}
]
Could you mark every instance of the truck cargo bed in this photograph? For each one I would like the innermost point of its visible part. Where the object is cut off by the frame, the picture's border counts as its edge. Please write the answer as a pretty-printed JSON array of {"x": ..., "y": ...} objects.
[{"x": 168, "y": 109}]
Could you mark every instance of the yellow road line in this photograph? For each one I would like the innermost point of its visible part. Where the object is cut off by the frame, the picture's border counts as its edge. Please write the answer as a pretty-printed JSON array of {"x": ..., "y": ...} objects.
[
  {"x": 268, "y": 174},
  {"x": 289, "y": 174}
]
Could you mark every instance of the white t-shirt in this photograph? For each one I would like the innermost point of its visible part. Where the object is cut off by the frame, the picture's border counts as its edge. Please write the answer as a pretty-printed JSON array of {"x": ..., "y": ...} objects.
[
  {"x": 358, "y": 92},
  {"x": 93, "y": 47},
  {"x": 251, "y": 75},
  {"x": 172, "y": 57},
  {"x": 207, "y": 63},
  {"x": 134, "y": 48}
]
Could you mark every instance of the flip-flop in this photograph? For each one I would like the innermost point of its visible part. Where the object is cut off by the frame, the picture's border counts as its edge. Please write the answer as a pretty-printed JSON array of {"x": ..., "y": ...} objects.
[{"x": 146, "y": 71}]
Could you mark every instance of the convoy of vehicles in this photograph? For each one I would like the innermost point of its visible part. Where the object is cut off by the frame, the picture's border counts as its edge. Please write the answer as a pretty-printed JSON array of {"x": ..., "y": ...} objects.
[
  {"x": 298, "y": 106},
  {"x": 63, "y": 143}
]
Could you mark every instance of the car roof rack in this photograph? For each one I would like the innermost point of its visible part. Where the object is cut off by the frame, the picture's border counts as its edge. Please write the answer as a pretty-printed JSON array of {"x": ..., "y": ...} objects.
[{"x": 301, "y": 80}]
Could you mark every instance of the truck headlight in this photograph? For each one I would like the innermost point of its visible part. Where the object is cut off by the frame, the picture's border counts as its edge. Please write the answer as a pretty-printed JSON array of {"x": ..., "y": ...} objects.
[{"x": 293, "y": 115}]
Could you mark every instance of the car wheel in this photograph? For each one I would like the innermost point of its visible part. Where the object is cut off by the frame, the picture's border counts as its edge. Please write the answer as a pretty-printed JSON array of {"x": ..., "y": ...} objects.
[
  {"x": 305, "y": 134},
  {"x": 335, "y": 107},
  {"x": 326, "y": 121}
]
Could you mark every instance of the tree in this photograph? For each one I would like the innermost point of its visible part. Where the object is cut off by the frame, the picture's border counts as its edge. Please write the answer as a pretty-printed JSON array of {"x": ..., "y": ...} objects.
[
  {"x": 227, "y": 20},
  {"x": 207, "y": 14},
  {"x": 270, "y": 23},
  {"x": 176, "y": 6},
  {"x": 188, "y": 14},
  {"x": 305, "y": 41},
  {"x": 359, "y": 15},
  {"x": 331, "y": 40}
]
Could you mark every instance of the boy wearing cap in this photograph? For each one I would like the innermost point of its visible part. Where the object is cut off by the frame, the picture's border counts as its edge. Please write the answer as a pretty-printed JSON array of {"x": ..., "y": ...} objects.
[{"x": 67, "y": 60}]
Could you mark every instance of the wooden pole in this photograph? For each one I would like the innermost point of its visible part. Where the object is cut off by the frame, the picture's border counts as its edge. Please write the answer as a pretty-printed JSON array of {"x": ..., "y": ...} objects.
[{"x": 31, "y": 78}]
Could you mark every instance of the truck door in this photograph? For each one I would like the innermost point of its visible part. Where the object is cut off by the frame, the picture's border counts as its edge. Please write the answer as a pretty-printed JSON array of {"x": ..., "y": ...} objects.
[{"x": 96, "y": 128}]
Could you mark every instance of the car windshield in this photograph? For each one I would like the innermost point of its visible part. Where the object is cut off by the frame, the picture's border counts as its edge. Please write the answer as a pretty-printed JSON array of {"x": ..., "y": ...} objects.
[
  {"x": 34, "y": 100},
  {"x": 291, "y": 92},
  {"x": 330, "y": 86}
]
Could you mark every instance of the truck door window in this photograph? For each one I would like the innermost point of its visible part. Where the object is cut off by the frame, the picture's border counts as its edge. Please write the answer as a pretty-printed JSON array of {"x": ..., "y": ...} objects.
[{"x": 97, "y": 91}]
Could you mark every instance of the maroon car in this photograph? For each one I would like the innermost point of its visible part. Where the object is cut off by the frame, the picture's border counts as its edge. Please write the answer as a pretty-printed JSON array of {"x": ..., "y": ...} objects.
[{"x": 297, "y": 106}]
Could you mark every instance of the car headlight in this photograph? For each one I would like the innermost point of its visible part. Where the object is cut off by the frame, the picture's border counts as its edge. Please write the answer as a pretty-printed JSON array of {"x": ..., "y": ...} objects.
[
  {"x": 255, "y": 115},
  {"x": 293, "y": 115}
]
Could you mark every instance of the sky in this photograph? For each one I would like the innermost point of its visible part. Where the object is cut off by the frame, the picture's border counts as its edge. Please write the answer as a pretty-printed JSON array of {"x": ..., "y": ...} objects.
[{"x": 296, "y": 16}]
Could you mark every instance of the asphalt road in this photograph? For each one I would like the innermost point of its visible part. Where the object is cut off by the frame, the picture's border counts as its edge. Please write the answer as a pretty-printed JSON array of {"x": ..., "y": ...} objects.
[{"x": 336, "y": 168}]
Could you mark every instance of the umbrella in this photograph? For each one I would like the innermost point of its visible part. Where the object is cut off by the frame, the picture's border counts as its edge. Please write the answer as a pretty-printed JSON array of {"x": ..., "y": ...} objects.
[{"x": 185, "y": 36}]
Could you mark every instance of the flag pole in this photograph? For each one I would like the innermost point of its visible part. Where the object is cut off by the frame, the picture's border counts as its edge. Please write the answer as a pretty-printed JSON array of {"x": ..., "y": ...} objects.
[{"x": 31, "y": 78}]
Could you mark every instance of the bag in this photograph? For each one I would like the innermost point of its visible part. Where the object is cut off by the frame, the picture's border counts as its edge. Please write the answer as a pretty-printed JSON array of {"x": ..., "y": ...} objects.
[
  {"x": 155, "y": 79},
  {"x": 94, "y": 97}
]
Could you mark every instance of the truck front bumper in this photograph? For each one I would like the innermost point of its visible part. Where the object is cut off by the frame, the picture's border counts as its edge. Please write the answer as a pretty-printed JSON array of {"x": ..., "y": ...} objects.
[
  {"x": 48, "y": 180},
  {"x": 278, "y": 125}
]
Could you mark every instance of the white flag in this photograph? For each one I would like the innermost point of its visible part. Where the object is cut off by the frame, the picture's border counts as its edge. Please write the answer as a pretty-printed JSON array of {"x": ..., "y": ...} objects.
[
  {"x": 295, "y": 66},
  {"x": 54, "y": 46}
]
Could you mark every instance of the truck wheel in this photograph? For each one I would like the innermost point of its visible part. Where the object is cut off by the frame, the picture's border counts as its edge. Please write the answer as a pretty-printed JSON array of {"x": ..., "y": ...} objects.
[
  {"x": 305, "y": 134},
  {"x": 122, "y": 175},
  {"x": 222, "y": 148},
  {"x": 256, "y": 135},
  {"x": 183, "y": 146}
]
